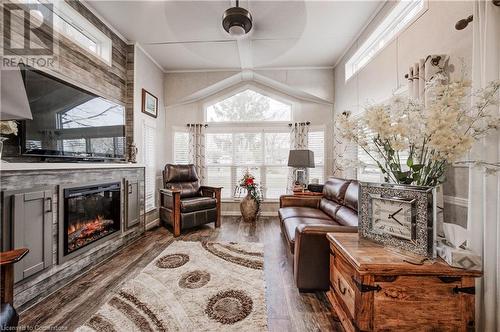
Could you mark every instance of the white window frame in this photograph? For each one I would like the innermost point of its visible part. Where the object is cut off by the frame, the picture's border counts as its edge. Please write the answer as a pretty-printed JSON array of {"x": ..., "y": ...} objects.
[
  {"x": 240, "y": 89},
  {"x": 149, "y": 164},
  {"x": 65, "y": 15},
  {"x": 406, "y": 11},
  {"x": 247, "y": 127},
  {"x": 321, "y": 128}
]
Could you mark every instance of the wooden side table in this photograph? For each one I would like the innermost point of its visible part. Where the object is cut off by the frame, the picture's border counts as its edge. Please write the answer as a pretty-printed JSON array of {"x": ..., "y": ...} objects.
[
  {"x": 373, "y": 288},
  {"x": 307, "y": 193}
]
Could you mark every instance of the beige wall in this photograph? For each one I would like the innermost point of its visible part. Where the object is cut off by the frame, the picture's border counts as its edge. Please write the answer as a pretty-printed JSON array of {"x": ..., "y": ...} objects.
[
  {"x": 431, "y": 33},
  {"x": 148, "y": 76},
  {"x": 316, "y": 82}
]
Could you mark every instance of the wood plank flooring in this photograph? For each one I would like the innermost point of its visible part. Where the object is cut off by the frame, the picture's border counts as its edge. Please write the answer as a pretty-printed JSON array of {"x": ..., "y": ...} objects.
[{"x": 288, "y": 310}]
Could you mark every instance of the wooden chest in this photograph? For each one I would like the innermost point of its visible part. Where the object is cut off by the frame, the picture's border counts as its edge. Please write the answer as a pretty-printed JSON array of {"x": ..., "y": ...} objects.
[{"x": 373, "y": 288}]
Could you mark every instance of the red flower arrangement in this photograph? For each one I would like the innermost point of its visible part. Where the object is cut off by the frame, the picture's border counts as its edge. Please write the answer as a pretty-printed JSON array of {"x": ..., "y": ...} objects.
[{"x": 249, "y": 184}]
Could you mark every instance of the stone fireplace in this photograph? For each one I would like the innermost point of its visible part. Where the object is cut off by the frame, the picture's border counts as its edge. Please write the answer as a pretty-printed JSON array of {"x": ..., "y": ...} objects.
[{"x": 92, "y": 214}]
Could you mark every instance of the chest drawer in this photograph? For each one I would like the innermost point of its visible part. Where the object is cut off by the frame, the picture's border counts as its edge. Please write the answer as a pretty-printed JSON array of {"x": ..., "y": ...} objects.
[{"x": 341, "y": 282}]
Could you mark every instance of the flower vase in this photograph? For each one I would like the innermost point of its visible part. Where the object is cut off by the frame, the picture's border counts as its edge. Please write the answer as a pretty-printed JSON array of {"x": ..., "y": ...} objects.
[{"x": 249, "y": 208}]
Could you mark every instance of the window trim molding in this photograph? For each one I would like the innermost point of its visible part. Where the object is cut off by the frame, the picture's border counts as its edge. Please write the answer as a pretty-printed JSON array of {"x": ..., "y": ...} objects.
[{"x": 425, "y": 8}]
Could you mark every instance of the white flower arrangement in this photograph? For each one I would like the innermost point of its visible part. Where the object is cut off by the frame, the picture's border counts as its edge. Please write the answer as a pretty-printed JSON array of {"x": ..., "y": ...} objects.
[
  {"x": 8, "y": 127},
  {"x": 433, "y": 136}
]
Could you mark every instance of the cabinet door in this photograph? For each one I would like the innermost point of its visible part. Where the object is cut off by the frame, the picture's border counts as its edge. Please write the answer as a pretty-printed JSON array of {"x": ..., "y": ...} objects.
[
  {"x": 133, "y": 204},
  {"x": 32, "y": 229}
]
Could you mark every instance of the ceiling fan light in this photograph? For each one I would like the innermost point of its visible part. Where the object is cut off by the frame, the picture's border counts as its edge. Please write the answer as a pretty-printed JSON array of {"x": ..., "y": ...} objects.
[
  {"x": 236, "y": 31},
  {"x": 237, "y": 21}
]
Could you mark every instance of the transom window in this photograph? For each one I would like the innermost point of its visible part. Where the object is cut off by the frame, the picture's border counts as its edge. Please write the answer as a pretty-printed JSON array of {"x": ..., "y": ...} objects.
[
  {"x": 249, "y": 106},
  {"x": 400, "y": 17},
  {"x": 74, "y": 26}
]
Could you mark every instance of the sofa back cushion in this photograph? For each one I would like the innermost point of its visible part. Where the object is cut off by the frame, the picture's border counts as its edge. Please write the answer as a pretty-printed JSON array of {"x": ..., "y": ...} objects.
[
  {"x": 351, "y": 196},
  {"x": 183, "y": 178},
  {"x": 334, "y": 189},
  {"x": 329, "y": 207}
]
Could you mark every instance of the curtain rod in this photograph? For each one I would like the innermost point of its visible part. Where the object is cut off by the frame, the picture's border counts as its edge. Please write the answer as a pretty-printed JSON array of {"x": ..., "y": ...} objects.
[
  {"x": 299, "y": 124},
  {"x": 196, "y": 124}
]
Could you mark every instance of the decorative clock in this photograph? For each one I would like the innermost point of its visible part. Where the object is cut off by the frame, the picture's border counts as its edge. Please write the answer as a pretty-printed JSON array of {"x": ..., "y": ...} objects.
[{"x": 398, "y": 216}]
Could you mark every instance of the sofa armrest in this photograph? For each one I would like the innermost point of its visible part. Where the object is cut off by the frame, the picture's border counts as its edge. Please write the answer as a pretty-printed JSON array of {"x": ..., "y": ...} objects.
[
  {"x": 299, "y": 201},
  {"x": 311, "y": 266}
]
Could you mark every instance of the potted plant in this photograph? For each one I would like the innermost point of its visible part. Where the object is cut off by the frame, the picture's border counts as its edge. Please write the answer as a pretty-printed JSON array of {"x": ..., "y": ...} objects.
[
  {"x": 432, "y": 136},
  {"x": 250, "y": 204}
]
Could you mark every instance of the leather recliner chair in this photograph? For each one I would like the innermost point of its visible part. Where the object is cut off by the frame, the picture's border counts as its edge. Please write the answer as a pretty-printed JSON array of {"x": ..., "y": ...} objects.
[{"x": 184, "y": 203}]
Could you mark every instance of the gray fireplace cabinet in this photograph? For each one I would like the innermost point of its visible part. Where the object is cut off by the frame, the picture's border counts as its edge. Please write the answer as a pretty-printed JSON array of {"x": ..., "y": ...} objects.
[{"x": 31, "y": 213}]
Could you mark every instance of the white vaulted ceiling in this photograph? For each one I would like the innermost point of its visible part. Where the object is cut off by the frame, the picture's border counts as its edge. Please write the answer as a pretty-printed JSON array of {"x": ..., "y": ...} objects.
[{"x": 187, "y": 35}]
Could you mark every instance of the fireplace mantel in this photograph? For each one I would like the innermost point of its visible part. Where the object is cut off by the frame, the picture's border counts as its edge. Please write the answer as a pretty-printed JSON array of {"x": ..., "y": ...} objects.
[{"x": 5, "y": 167}]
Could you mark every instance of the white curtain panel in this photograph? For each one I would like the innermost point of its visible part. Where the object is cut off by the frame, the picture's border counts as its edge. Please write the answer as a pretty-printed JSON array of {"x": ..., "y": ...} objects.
[
  {"x": 299, "y": 140},
  {"x": 484, "y": 184},
  {"x": 424, "y": 70},
  {"x": 197, "y": 149}
]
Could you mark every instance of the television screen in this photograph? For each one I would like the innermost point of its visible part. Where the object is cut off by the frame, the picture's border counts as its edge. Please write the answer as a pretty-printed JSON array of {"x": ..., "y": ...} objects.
[{"x": 69, "y": 121}]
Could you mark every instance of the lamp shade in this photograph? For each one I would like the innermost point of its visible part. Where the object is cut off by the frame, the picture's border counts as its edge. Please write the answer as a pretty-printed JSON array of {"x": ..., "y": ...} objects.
[
  {"x": 301, "y": 158},
  {"x": 14, "y": 103}
]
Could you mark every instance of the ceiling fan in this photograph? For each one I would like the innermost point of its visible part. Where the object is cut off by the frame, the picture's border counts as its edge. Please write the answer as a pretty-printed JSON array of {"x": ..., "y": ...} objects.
[{"x": 236, "y": 21}]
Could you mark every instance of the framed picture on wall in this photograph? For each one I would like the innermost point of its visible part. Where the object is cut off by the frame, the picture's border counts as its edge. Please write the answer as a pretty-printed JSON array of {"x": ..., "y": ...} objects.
[{"x": 149, "y": 104}]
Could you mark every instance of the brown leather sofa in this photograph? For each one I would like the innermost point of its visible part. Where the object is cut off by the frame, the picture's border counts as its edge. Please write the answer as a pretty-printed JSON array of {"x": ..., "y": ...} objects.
[
  {"x": 184, "y": 203},
  {"x": 305, "y": 220}
]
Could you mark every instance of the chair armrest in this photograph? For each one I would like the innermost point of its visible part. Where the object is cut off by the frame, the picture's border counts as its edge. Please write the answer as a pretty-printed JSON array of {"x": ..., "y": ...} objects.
[
  {"x": 12, "y": 256},
  {"x": 169, "y": 197},
  {"x": 169, "y": 192},
  {"x": 312, "y": 255},
  {"x": 210, "y": 191},
  {"x": 299, "y": 201}
]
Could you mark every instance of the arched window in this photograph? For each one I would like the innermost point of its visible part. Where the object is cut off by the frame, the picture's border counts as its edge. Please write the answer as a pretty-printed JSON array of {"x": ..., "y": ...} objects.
[{"x": 249, "y": 106}]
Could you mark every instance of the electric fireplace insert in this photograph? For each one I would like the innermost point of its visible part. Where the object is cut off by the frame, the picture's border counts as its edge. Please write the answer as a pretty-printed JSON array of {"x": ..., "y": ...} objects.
[{"x": 91, "y": 213}]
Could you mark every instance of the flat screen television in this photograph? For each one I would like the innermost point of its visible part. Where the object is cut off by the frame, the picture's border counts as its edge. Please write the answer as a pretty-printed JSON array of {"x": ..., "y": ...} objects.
[{"x": 70, "y": 122}]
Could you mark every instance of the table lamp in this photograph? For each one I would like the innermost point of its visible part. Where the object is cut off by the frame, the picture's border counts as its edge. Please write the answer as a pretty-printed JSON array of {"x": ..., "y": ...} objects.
[{"x": 301, "y": 159}]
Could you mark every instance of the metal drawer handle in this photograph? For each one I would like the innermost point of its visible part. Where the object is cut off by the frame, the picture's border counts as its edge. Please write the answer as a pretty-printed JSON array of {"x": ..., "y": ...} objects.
[
  {"x": 343, "y": 291},
  {"x": 49, "y": 201}
]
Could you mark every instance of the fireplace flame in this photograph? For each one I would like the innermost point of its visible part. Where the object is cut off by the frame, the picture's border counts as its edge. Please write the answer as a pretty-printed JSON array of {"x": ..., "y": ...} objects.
[
  {"x": 94, "y": 225},
  {"x": 83, "y": 232}
]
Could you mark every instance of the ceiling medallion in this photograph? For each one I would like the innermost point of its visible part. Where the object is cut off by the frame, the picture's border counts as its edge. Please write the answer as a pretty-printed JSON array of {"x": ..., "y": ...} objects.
[{"x": 237, "y": 21}]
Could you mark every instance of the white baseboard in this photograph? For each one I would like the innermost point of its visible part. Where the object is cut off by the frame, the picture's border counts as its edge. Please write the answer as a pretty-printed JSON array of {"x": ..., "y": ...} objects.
[{"x": 238, "y": 213}]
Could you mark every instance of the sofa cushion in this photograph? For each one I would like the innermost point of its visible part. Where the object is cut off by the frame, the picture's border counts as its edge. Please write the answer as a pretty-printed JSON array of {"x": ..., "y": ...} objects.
[
  {"x": 329, "y": 207},
  {"x": 290, "y": 224},
  {"x": 334, "y": 189},
  {"x": 347, "y": 217},
  {"x": 306, "y": 212},
  {"x": 192, "y": 204},
  {"x": 351, "y": 195}
]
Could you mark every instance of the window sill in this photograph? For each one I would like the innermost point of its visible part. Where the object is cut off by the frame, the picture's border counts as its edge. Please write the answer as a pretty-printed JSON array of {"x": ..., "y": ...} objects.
[{"x": 237, "y": 200}]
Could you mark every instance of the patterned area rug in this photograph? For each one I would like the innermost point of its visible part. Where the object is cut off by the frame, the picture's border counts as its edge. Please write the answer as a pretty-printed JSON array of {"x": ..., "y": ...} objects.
[{"x": 191, "y": 286}]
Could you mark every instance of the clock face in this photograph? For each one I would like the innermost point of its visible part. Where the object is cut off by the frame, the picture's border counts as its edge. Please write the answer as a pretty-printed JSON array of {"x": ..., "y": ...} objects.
[{"x": 392, "y": 216}]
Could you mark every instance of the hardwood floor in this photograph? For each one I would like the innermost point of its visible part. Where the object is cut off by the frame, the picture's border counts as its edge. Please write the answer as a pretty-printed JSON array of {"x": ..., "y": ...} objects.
[{"x": 288, "y": 310}]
